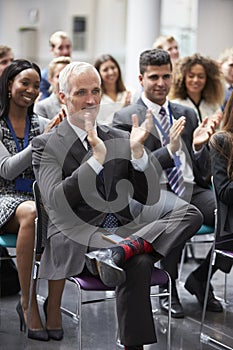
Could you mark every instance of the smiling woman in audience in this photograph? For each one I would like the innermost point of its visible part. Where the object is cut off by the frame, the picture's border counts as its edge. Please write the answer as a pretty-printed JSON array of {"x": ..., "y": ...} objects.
[
  {"x": 19, "y": 88},
  {"x": 198, "y": 83}
]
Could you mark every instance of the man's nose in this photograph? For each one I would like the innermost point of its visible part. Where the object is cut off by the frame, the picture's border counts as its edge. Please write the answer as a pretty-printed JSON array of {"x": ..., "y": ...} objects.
[
  {"x": 160, "y": 81},
  {"x": 90, "y": 99}
]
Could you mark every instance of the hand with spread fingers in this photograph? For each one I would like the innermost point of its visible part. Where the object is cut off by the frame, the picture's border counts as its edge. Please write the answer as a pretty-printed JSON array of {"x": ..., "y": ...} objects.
[
  {"x": 56, "y": 120},
  {"x": 139, "y": 134},
  {"x": 175, "y": 134},
  {"x": 203, "y": 133},
  {"x": 97, "y": 145}
]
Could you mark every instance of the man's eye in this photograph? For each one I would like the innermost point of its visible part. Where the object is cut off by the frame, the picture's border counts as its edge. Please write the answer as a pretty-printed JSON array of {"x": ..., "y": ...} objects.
[
  {"x": 167, "y": 76},
  {"x": 81, "y": 93},
  {"x": 96, "y": 92}
]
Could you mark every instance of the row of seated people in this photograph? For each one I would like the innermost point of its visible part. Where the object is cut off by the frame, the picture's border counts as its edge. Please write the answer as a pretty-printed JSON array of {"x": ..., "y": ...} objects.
[{"x": 86, "y": 197}]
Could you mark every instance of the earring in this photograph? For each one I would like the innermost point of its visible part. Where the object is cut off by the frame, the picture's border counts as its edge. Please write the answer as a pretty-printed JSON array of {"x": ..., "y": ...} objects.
[{"x": 9, "y": 94}]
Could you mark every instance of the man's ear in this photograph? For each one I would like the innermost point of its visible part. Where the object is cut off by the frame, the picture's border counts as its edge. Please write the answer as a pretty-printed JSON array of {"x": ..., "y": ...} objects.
[
  {"x": 140, "y": 77},
  {"x": 62, "y": 97}
]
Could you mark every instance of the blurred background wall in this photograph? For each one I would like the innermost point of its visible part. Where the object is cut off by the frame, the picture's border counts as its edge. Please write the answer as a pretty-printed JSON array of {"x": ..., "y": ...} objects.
[{"x": 122, "y": 28}]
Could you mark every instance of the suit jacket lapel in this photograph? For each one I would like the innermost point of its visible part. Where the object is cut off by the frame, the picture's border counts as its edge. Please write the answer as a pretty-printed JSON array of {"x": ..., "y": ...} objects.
[
  {"x": 70, "y": 140},
  {"x": 153, "y": 140},
  {"x": 109, "y": 167}
]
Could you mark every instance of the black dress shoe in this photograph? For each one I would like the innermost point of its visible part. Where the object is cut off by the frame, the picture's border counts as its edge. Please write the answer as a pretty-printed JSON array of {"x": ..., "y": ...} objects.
[
  {"x": 176, "y": 307},
  {"x": 197, "y": 288},
  {"x": 101, "y": 261}
]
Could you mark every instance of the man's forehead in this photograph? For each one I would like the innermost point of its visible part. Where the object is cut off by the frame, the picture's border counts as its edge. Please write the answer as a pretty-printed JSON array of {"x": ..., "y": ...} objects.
[
  {"x": 84, "y": 80},
  {"x": 161, "y": 68}
]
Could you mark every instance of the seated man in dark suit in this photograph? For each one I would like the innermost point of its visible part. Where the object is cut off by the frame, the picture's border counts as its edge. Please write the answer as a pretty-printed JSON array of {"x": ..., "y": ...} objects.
[
  {"x": 186, "y": 165},
  {"x": 88, "y": 175}
]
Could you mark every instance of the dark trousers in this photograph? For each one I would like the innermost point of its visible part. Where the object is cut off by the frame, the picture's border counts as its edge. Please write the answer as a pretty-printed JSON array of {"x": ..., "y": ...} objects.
[
  {"x": 203, "y": 199},
  {"x": 134, "y": 311},
  {"x": 169, "y": 224}
]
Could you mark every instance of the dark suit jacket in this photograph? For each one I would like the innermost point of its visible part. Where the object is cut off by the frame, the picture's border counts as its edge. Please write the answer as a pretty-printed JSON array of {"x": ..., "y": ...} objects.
[
  {"x": 224, "y": 195},
  {"x": 200, "y": 164},
  {"x": 75, "y": 196}
]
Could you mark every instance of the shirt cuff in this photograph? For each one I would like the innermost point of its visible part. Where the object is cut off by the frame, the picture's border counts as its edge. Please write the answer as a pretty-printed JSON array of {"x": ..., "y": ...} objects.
[
  {"x": 95, "y": 165},
  {"x": 197, "y": 152},
  {"x": 140, "y": 164}
]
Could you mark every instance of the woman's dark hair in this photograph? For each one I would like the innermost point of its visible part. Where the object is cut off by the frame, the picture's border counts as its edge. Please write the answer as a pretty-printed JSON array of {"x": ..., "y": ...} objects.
[
  {"x": 104, "y": 58},
  {"x": 9, "y": 73},
  {"x": 226, "y": 148}
]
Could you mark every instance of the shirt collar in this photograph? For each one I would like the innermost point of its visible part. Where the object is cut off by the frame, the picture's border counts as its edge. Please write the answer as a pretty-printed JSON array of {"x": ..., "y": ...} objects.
[
  {"x": 82, "y": 134},
  {"x": 155, "y": 108}
]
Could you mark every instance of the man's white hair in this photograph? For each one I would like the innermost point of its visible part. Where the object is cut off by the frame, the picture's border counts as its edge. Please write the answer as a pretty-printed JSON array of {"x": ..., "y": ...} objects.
[{"x": 76, "y": 68}]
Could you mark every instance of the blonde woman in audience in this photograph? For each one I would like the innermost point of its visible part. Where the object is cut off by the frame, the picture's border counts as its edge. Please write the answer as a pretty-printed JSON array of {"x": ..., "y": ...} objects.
[
  {"x": 198, "y": 83},
  {"x": 51, "y": 105},
  {"x": 114, "y": 93},
  {"x": 169, "y": 44}
]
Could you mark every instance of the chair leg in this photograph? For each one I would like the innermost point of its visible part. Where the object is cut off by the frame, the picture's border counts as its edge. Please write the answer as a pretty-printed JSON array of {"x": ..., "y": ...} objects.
[
  {"x": 182, "y": 262},
  {"x": 212, "y": 261},
  {"x": 225, "y": 288},
  {"x": 169, "y": 313}
]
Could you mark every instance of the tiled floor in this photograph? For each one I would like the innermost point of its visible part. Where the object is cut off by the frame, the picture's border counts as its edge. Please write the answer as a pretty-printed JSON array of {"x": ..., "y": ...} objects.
[{"x": 99, "y": 323}]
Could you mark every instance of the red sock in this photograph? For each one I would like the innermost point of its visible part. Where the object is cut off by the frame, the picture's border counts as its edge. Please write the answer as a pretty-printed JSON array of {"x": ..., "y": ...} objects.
[
  {"x": 136, "y": 246},
  {"x": 130, "y": 247}
]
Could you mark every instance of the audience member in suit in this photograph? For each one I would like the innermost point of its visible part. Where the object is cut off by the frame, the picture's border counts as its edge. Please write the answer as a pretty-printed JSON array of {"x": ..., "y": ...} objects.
[
  {"x": 60, "y": 45},
  {"x": 198, "y": 83},
  {"x": 226, "y": 63},
  {"x": 221, "y": 152},
  {"x": 87, "y": 193},
  {"x": 50, "y": 106},
  {"x": 191, "y": 153}
]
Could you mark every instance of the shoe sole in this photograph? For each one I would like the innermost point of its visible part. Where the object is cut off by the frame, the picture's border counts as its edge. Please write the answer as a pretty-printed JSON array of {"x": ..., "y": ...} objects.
[
  {"x": 91, "y": 263},
  {"x": 111, "y": 276}
]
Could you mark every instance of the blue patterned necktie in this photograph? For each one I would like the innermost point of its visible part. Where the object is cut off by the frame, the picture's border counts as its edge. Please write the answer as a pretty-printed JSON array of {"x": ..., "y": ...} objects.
[
  {"x": 110, "y": 222},
  {"x": 174, "y": 175}
]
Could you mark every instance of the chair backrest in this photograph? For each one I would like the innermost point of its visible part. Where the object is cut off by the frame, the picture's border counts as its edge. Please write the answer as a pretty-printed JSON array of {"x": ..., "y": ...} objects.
[
  {"x": 8, "y": 240},
  {"x": 223, "y": 236},
  {"x": 41, "y": 221}
]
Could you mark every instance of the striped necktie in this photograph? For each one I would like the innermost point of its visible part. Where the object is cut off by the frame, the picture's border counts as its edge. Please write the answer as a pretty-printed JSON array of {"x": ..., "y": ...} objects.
[
  {"x": 174, "y": 175},
  {"x": 110, "y": 222}
]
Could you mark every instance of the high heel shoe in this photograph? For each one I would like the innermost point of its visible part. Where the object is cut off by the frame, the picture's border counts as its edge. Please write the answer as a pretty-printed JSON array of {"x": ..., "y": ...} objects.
[
  {"x": 19, "y": 310},
  {"x": 40, "y": 334},
  {"x": 55, "y": 334}
]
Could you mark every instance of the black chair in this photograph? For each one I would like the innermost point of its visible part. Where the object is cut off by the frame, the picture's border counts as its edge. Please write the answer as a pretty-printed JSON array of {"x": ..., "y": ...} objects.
[
  {"x": 220, "y": 235},
  {"x": 83, "y": 282}
]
